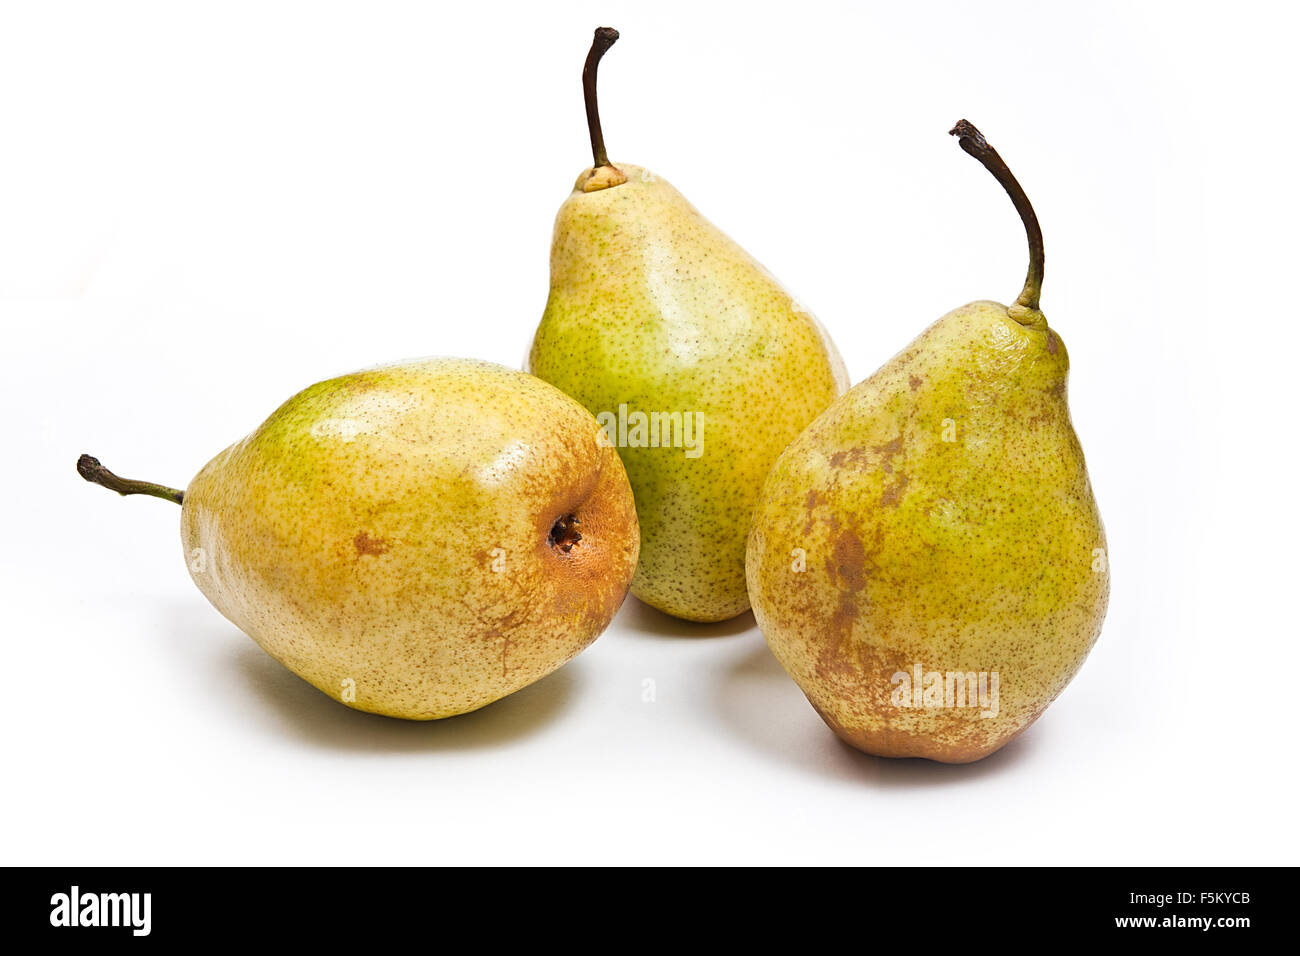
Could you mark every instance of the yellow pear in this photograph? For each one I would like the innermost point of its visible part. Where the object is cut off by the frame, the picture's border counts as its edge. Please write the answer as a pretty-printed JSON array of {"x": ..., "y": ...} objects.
[
  {"x": 698, "y": 363},
  {"x": 416, "y": 540},
  {"x": 927, "y": 560}
]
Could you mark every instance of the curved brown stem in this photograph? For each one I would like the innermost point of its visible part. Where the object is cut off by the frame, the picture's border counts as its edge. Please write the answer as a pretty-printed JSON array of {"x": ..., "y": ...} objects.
[
  {"x": 90, "y": 469},
  {"x": 973, "y": 141},
  {"x": 602, "y": 41}
]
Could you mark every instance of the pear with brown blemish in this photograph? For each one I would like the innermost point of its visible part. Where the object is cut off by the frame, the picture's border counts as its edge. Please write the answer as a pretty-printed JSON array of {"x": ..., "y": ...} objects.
[
  {"x": 416, "y": 540},
  {"x": 700, "y": 363},
  {"x": 926, "y": 559}
]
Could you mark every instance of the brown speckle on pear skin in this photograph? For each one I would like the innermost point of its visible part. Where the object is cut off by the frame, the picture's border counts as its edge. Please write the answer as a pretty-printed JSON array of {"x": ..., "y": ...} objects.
[
  {"x": 849, "y": 559},
  {"x": 893, "y": 493},
  {"x": 364, "y": 544},
  {"x": 890, "y": 448},
  {"x": 810, "y": 505}
]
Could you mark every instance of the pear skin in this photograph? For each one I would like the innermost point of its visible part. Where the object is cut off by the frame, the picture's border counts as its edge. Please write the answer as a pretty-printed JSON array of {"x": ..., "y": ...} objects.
[
  {"x": 927, "y": 560},
  {"x": 417, "y": 540},
  {"x": 654, "y": 311}
]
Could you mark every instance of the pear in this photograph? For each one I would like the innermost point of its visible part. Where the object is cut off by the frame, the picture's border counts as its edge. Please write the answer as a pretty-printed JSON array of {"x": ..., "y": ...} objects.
[
  {"x": 700, "y": 365},
  {"x": 927, "y": 560},
  {"x": 415, "y": 540}
]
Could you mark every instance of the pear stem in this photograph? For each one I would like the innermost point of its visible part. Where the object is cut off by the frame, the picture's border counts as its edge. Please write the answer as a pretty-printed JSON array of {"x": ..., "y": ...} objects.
[
  {"x": 602, "y": 41},
  {"x": 973, "y": 141},
  {"x": 90, "y": 469}
]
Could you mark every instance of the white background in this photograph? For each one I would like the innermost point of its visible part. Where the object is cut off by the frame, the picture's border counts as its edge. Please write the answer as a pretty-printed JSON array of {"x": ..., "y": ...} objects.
[{"x": 205, "y": 207}]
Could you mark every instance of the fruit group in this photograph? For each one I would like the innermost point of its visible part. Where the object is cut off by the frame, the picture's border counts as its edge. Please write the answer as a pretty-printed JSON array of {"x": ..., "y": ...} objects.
[
  {"x": 416, "y": 540},
  {"x": 927, "y": 560},
  {"x": 702, "y": 366}
]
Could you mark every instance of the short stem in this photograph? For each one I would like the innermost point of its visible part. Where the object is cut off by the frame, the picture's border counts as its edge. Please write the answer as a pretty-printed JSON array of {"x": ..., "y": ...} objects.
[
  {"x": 90, "y": 469},
  {"x": 602, "y": 41},
  {"x": 973, "y": 141}
]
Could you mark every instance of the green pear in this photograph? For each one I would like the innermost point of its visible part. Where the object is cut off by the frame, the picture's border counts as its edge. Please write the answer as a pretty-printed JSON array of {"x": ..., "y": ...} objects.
[
  {"x": 698, "y": 363},
  {"x": 927, "y": 560},
  {"x": 416, "y": 540}
]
